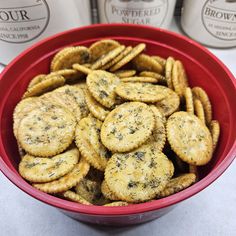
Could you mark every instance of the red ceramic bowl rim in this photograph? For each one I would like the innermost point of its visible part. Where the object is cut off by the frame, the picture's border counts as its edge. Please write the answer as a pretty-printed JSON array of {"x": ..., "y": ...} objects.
[{"x": 131, "y": 209}]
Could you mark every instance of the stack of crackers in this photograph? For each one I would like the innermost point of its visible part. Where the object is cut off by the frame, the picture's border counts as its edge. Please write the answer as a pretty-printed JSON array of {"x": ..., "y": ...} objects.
[{"x": 111, "y": 125}]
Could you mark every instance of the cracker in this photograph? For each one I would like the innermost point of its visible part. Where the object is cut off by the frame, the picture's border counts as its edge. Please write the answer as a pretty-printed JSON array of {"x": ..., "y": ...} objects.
[
  {"x": 21, "y": 151},
  {"x": 59, "y": 97},
  {"x": 139, "y": 175},
  {"x": 130, "y": 56},
  {"x": 160, "y": 60},
  {"x": 66, "y": 57},
  {"x": 198, "y": 109},
  {"x": 81, "y": 68},
  {"x": 101, "y": 85},
  {"x": 178, "y": 184},
  {"x": 125, "y": 52},
  {"x": 142, "y": 92},
  {"x": 97, "y": 110},
  {"x": 90, "y": 190},
  {"x": 169, "y": 104},
  {"x": 189, "y": 138},
  {"x": 125, "y": 73},
  {"x": 141, "y": 79},
  {"x": 46, "y": 131},
  {"x": 113, "y": 204},
  {"x": 158, "y": 137},
  {"x": 189, "y": 100},
  {"x": 22, "y": 109},
  {"x": 107, "y": 192},
  {"x": 67, "y": 181},
  {"x": 70, "y": 195},
  {"x": 102, "y": 61},
  {"x": 102, "y": 47},
  {"x": 78, "y": 94},
  {"x": 48, "y": 84},
  {"x": 127, "y": 127},
  {"x": 215, "y": 132},
  {"x": 87, "y": 138},
  {"x": 37, "y": 79},
  {"x": 200, "y": 93},
  {"x": 40, "y": 170},
  {"x": 179, "y": 78},
  {"x": 160, "y": 78},
  {"x": 144, "y": 62},
  {"x": 70, "y": 75},
  {"x": 168, "y": 71}
]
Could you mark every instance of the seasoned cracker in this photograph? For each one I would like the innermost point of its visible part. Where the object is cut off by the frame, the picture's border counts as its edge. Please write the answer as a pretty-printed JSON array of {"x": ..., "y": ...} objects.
[
  {"x": 169, "y": 104},
  {"x": 141, "y": 79},
  {"x": 130, "y": 56},
  {"x": 189, "y": 100},
  {"x": 22, "y": 109},
  {"x": 102, "y": 47},
  {"x": 78, "y": 95},
  {"x": 46, "y": 131},
  {"x": 178, "y": 184},
  {"x": 139, "y": 175},
  {"x": 81, "y": 68},
  {"x": 127, "y": 127},
  {"x": 90, "y": 190},
  {"x": 102, "y": 61},
  {"x": 70, "y": 75},
  {"x": 158, "y": 137},
  {"x": 98, "y": 110},
  {"x": 87, "y": 139},
  {"x": 144, "y": 62},
  {"x": 40, "y": 170},
  {"x": 70, "y": 195},
  {"x": 48, "y": 84},
  {"x": 189, "y": 138},
  {"x": 125, "y": 73},
  {"x": 120, "y": 203},
  {"x": 66, "y": 57},
  {"x": 179, "y": 78},
  {"x": 101, "y": 85},
  {"x": 125, "y": 52},
  {"x": 142, "y": 92},
  {"x": 200, "y": 93},
  {"x": 198, "y": 109},
  {"x": 215, "y": 132},
  {"x": 160, "y": 78},
  {"x": 67, "y": 181},
  {"x": 37, "y": 79},
  {"x": 168, "y": 71},
  {"x": 59, "y": 97},
  {"x": 160, "y": 60},
  {"x": 107, "y": 192}
]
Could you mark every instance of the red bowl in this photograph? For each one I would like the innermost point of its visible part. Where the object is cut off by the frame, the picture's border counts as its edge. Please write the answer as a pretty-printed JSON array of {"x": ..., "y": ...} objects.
[{"x": 203, "y": 69}]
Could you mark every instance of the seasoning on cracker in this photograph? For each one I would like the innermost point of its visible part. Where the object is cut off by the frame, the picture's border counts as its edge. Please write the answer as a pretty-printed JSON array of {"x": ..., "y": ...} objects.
[
  {"x": 40, "y": 170},
  {"x": 139, "y": 175},
  {"x": 189, "y": 138},
  {"x": 46, "y": 131},
  {"x": 142, "y": 92},
  {"x": 101, "y": 85},
  {"x": 127, "y": 127}
]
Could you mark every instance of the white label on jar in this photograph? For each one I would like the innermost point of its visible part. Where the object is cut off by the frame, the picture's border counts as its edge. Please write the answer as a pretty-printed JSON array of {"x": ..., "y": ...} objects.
[
  {"x": 219, "y": 18},
  {"x": 22, "y": 23},
  {"x": 148, "y": 12}
]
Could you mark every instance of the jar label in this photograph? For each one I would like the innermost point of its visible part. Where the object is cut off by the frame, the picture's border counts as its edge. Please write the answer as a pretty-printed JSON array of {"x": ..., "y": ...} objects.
[
  {"x": 20, "y": 23},
  {"x": 148, "y": 12},
  {"x": 219, "y": 18}
]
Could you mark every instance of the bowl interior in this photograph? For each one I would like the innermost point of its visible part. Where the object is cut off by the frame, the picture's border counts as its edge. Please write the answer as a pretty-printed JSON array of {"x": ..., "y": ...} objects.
[{"x": 202, "y": 69}]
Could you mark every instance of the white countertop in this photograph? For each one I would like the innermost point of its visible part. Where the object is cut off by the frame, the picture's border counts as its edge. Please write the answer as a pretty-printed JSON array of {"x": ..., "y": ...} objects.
[{"x": 211, "y": 212}]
